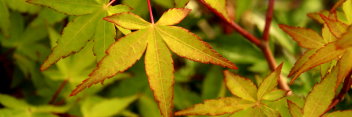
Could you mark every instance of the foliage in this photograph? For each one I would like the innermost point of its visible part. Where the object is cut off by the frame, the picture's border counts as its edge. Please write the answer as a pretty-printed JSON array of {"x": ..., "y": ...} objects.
[{"x": 104, "y": 41}]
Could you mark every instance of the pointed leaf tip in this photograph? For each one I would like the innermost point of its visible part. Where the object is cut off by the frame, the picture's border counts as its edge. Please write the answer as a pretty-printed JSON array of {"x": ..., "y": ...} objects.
[
  {"x": 269, "y": 83},
  {"x": 240, "y": 86},
  {"x": 128, "y": 20}
]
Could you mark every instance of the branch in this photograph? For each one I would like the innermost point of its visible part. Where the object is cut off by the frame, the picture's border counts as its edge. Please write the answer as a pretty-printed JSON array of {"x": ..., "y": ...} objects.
[
  {"x": 345, "y": 88},
  {"x": 262, "y": 44},
  {"x": 58, "y": 91},
  {"x": 269, "y": 17},
  {"x": 150, "y": 12}
]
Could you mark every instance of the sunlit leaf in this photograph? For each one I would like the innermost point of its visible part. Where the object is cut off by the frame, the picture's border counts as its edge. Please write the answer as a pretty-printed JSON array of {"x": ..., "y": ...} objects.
[
  {"x": 295, "y": 110},
  {"x": 22, "y": 6},
  {"x": 347, "y": 8},
  {"x": 327, "y": 35},
  {"x": 173, "y": 16},
  {"x": 321, "y": 56},
  {"x": 217, "y": 107},
  {"x": 336, "y": 27},
  {"x": 241, "y": 87},
  {"x": 344, "y": 66},
  {"x": 306, "y": 38},
  {"x": 320, "y": 97},
  {"x": 269, "y": 83},
  {"x": 274, "y": 95},
  {"x": 301, "y": 61},
  {"x": 219, "y": 6},
  {"x": 128, "y": 20},
  {"x": 346, "y": 40}
]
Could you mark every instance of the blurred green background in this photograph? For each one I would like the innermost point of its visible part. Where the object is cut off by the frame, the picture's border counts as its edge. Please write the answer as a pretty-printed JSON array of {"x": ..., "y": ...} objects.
[{"x": 25, "y": 91}]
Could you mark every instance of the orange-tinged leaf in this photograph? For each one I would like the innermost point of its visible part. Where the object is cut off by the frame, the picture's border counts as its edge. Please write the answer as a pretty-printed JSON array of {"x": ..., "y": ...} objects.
[
  {"x": 301, "y": 61},
  {"x": 159, "y": 68},
  {"x": 320, "y": 98},
  {"x": 240, "y": 86},
  {"x": 346, "y": 39},
  {"x": 306, "y": 38},
  {"x": 336, "y": 27},
  {"x": 344, "y": 66},
  {"x": 120, "y": 56},
  {"x": 173, "y": 16},
  {"x": 219, "y": 6},
  {"x": 344, "y": 113},
  {"x": 269, "y": 83},
  {"x": 316, "y": 15},
  {"x": 323, "y": 55},
  {"x": 294, "y": 109},
  {"x": 217, "y": 107},
  {"x": 188, "y": 45},
  {"x": 128, "y": 20},
  {"x": 327, "y": 35}
]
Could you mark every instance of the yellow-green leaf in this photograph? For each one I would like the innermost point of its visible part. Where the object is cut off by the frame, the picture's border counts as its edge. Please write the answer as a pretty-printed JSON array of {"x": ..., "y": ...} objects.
[
  {"x": 275, "y": 94},
  {"x": 295, "y": 110},
  {"x": 128, "y": 20},
  {"x": 327, "y": 35},
  {"x": 344, "y": 113},
  {"x": 219, "y": 6},
  {"x": 336, "y": 27},
  {"x": 75, "y": 36},
  {"x": 188, "y": 45},
  {"x": 346, "y": 39},
  {"x": 173, "y": 16},
  {"x": 4, "y": 18},
  {"x": 344, "y": 66},
  {"x": 301, "y": 61},
  {"x": 347, "y": 8},
  {"x": 120, "y": 56},
  {"x": 181, "y": 3},
  {"x": 217, "y": 107},
  {"x": 240, "y": 86},
  {"x": 104, "y": 36},
  {"x": 159, "y": 68},
  {"x": 70, "y": 7},
  {"x": 321, "y": 56},
  {"x": 269, "y": 83},
  {"x": 306, "y": 38},
  {"x": 320, "y": 97}
]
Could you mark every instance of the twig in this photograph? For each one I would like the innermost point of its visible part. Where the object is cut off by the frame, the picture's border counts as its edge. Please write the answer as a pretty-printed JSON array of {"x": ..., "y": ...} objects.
[
  {"x": 269, "y": 17},
  {"x": 262, "y": 44},
  {"x": 110, "y": 3},
  {"x": 345, "y": 88},
  {"x": 58, "y": 91},
  {"x": 150, "y": 12}
]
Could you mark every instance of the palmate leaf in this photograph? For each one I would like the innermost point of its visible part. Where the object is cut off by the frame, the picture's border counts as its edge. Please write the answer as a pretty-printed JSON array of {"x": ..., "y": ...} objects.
[
  {"x": 156, "y": 40},
  {"x": 89, "y": 25},
  {"x": 269, "y": 83},
  {"x": 241, "y": 87},
  {"x": 218, "y": 6}
]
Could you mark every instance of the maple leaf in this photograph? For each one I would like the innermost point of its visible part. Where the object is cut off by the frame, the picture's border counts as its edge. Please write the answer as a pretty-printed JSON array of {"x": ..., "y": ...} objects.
[
  {"x": 156, "y": 39},
  {"x": 248, "y": 97},
  {"x": 88, "y": 25},
  {"x": 334, "y": 44}
]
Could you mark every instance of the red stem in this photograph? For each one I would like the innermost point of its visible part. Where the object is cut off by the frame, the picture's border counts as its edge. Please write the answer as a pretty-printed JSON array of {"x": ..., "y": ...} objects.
[
  {"x": 345, "y": 88},
  {"x": 150, "y": 12},
  {"x": 111, "y": 2},
  {"x": 263, "y": 45},
  {"x": 58, "y": 91},
  {"x": 269, "y": 17}
]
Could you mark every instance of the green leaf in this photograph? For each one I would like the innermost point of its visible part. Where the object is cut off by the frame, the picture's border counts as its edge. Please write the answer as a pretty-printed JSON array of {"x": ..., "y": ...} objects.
[
  {"x": 240, "y": 86},
  {"x": 22, "y": 6},
  {"x": 147, "y": 107},
  {"x": 94, "y": 106},
  {"x": 323, "y": 55},
  {"x": 295, "y": 110},
  {"x": 274, "y": 95},
  {"x": 269, "y": 112},
  {"x": 128, "y": 20},
  {"x": 165, "y": 3},
  {"x": 4, "y": 18},
  {"x": 181, "y": 3},
  {"x": 219, "y": 6},
  {"x": 346, "y": 40},
  {"x": 192, "y": 46},
  {"x": 344, "y": 113},
  {"x": 75, "y": 37},
  {"x": 70, "y": 7},
  {"x": 306, "y": 38},
  {"x": 119, "y": 58},
  {"x": 347, "y": 8},
  {"x": 159, "y": 68},
  {"x": 269, "y": 83},
  {"x": 217, "y": 107},
  {"x": 320, "y": 97},
  {"x": 173, "y": 16},
  {"x": 213, "y": 85},
  {"x": 327, "y": 35},
  {"x": 104, "y": 36},
  {"x": 12, "y": 102}
]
